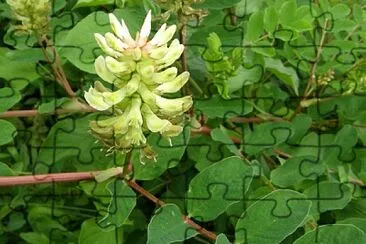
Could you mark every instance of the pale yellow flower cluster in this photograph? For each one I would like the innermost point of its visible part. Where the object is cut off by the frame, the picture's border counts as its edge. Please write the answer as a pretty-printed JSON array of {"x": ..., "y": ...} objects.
[
  {"x": 34, "y": 15},
  {"x": 139, "y": 72}
]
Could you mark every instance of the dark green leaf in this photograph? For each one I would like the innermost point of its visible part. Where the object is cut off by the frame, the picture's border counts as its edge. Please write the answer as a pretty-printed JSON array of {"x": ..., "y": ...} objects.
[
  {"x": 222, "y": 239},
  {"x": 8, "y": 98},
  {"x": 270, "y": 19},
  {"x": 328, "y": 196},
  {"x": 286, "y": 74},
  {"x": 92, "y": 233},
  {"x": 167, "y": 226},
  {"x": 279, "y": 213},
  {"x": 123, "y": 201},
  {"x": 217, "y": 107},
  {"x": 217, "y": 187},
  {"x": 337, "y": 233},
  {"x": 92, "y": 3},
  {"x": 254, "y": 27},
  {"x": 7, "y": 132},
  {"x": 166, "y": 155},
  {"x": 297, "y": 169}
]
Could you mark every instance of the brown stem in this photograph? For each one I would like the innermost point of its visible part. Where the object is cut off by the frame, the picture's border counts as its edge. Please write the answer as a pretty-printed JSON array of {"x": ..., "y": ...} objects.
[
  {"x": 35, "y": 112},
  {"x": 207, "y": 131},
  {"x": 56, "y": 66},
  {"x": 210, "y": 235},
  {"x": 255, "y": 119},
  {"x": 313, "y": 69}
]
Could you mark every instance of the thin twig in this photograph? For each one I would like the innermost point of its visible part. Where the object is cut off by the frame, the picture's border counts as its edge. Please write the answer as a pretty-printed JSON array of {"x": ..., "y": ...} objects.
[
  {"x": 313, "y": 68},
  {"x": 255, "y": 119},
  {"x": 35, "y": 112},
  {"x": 210, "y": 235},
  {"x": 56, "y": 66}
]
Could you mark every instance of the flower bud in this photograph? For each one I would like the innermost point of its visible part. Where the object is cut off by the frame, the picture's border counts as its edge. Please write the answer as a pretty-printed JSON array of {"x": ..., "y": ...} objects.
[
  {"x": 115, "y": 43},
  {"x": 153, "y": 122},
  {"x": 117, "y": 67},
  {"x": 102, "y": 71},
  {"x": 174, "y": 52},
  {"x": 134, "y": 116},
  {"x": 102, "y": 43},
  {"x": 171, "y": 131},
  {"x": 103, "y": 100},
  {"x": 145, "y": 30},
  {"x": 159, "y": 53},
  {"x": 175, "y": 85},
  {"x": 165, "y": 76},
  {"x": 163, "y": 36},
  {"x": 173, "y": 107},
  {"x": 121, "y": 30}
]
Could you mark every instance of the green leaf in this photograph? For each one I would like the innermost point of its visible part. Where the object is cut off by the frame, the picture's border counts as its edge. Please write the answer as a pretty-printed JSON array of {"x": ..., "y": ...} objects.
[
  {"x": 222, "y": 239},
  {"x": 264, "y": 48},
  {"x": 300, "y": 124},
  {"x": 5, "y": 170},
  {"x": 16, "y": 221},
  {"x": 151, "y": 4},
  {"x": 80, "y": 49},
  {"x": 166, "y": 155},
  {"x": 341, "y": 149},
  {"x": 70, "y": 139},
  {"x": 286, "y": 74},
  {"x": 216, "y": 4},
  {"x": 7, "y": 132},
  {"x": 217, "y": 107},
  {"x": 327, "y": 196},
  {"x": 217, "y": 187},
  {"x": 213, "y": 53},
  {"x": 242, "y": 77},
  {"x": 20, "y": 64},
  {"x": 205, "y": 151},
  {"x": 358, "y": 222},
  {"x": 92, "y": 233},
  {"x": 288, "y": 12},
  {"x": 357, "y": 13},
  {"x": 267, "y": 135},
  {"x": 254, "y": 27},
  {"x": 221, "y": 135},
  {"x": 42, "y": 220},
  {"x": 337, "y": 233},
  {"x": 8, "y": 98},
  {"x": 167, "y": 226},
  {"x": 34, "y": 238},
  {"x": 270, "y": 19},
  {"x": 93, "y": 3},
  {"x": 272, "y": 218},
  {"x": 340, "y": 11},
  {"x": 296, "y": 170},
  {"x": 51, "y": 106},
  {"x": 123, "y": 201}
]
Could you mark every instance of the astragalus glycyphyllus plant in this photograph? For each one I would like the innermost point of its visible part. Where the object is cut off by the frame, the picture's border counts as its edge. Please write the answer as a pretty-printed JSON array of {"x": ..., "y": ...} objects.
[{"x": 140, "y": 73}]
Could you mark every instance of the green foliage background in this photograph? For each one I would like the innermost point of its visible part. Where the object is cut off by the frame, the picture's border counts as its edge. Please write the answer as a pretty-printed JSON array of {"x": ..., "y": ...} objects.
[{"x": 274, "y": 151}]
